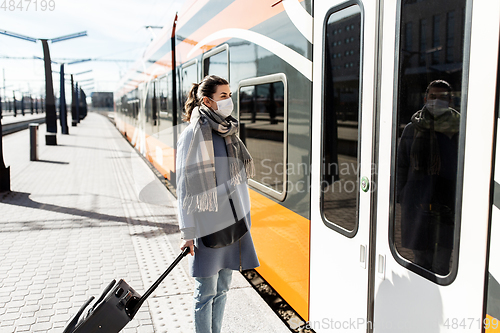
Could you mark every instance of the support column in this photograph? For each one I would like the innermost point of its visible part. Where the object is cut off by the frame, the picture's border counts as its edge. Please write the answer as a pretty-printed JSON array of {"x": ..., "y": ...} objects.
[
  {"x": 50, "y": 103},
  {"x": 15, "y": 106},
  {"x": 77, "y": 93},
  {"x": 74, "y": 118},
  {"x": 4, "y": 171},
  {"x": 62, "y": 105}
]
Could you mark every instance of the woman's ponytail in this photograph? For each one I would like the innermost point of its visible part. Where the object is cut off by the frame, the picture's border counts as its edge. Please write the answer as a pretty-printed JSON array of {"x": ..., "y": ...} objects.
[
  {"x": 207, "y": 87},
  {"x": 192, "y": 102}
]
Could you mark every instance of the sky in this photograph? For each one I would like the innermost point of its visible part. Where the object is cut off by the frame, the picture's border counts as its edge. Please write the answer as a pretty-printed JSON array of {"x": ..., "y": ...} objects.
[{"x": 116, "y": 30}]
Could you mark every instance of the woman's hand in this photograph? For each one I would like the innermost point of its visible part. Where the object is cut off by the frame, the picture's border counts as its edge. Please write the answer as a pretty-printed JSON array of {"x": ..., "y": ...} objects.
[{"x": 188, "y": 243}]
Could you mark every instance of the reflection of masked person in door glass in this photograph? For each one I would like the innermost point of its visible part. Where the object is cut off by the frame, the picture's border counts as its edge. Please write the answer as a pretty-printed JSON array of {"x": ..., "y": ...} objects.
[{"x": 426, "y": 179}]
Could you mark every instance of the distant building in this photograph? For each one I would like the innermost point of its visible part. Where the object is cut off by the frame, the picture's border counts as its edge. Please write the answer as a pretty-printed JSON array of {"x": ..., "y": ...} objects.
[
  {"x": 102, "y": 99},
  {"x": 432, "y": 42}
]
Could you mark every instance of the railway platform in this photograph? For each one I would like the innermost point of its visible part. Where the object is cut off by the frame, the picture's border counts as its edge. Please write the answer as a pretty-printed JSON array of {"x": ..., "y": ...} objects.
[{"x": 90, "y": 210}]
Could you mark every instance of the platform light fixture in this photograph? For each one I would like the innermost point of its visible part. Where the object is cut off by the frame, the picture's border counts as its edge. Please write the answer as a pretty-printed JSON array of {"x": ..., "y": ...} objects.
[
  {"x": 66, "y": 37},
  {"x": 85, "y": 72},
  {"x": 13, "y": 34},
  {"x": 79, "y": 61}
]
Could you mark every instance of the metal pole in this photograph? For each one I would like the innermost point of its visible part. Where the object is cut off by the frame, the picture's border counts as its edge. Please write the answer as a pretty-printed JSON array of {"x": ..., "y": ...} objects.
[
  {"x": 50, "y": 103},
  {"x": 4, "y": 96},
  {"x": 22, "y": 104},
  {"x": 33, "y": 141},
  {"x": 74, "y": 121},
  {"x": 31, "y": 101},
  {"x": 62, "y": 105},
  {"x": 15, "y": 106},
  {"x": 77, "y": 93},
  {"x": 84, "y": 103},
  {"x": 4, "y": 172}
]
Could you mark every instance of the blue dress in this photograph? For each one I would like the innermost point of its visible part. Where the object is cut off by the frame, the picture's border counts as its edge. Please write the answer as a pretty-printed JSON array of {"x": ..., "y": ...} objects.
[{"x": 207, "y": 262}]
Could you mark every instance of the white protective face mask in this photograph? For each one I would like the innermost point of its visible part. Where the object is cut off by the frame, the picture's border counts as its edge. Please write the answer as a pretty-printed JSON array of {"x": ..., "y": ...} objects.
[
  {"x": 437, "y": 107},
  {"x": 224, "y": 107}
]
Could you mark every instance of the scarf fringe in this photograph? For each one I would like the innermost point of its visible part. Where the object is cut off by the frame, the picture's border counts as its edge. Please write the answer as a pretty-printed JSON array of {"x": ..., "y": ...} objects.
[
  {"x": 235, "y": 171},
  {"x": 250, "y": 168},
  {"x": 206, "y": 201}
]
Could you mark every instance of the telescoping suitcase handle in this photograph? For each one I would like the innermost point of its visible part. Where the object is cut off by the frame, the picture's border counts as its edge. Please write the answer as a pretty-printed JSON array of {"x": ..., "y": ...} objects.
[{"x": 151, "y": 289}]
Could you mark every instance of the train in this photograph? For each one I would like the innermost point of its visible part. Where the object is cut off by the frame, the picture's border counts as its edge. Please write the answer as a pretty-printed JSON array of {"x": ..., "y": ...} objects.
[{"x": 369, "y": 214}]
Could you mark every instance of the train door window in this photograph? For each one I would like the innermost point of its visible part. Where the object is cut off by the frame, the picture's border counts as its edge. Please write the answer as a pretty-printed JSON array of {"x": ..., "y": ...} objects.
[
  {"x": 341, "y": 125},
  {"x": 216, "y": 62},
  {"x": 165, "y": 116},
  {"x": 133, "y": 104},
  {"x": 146, "y": 92},
  {"x": 427, "y": 139},
  {"x": 262, "y": 106},
  {"x": 137, "y": 105},
  {"x": 169, "y": 92},
  {"x": 154, "y": 102},
  {"x": 162, "y": 96},
  {"x": 189, "y": 76}
]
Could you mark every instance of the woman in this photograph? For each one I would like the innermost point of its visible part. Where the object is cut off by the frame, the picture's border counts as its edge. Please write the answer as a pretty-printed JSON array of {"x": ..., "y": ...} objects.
[
  {"x": 426, "y": 179},
  {"x": 212, "y": 164}
]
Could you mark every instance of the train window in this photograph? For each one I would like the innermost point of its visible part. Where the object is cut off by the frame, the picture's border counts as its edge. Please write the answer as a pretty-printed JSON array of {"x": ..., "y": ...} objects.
[
  {"x": 166, "y": 110},
  {"x": 162, "y": 96},
  {"x": 132, "y": 103},
  {"x": 189, "y": 76},
  {"x": 169, "y": 92},
  {"x": 154, "y": 102},
  {"x": 215, "y": 62},
  {"x": 262, "y": 104},
  {"x": 145, "y": 91},
  {"x": 426, "y": 159},
  {"x": 341, "y": 126}
]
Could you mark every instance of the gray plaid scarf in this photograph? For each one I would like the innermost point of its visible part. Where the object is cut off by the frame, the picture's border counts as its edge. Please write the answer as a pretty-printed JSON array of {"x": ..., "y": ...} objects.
[
  {"x": 424, "y": 153},
  {"x": 200, "y": 165}
]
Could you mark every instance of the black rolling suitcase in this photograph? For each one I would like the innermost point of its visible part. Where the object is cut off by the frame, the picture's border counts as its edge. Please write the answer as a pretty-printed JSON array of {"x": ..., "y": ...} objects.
[{"x": 115, "y": 308}]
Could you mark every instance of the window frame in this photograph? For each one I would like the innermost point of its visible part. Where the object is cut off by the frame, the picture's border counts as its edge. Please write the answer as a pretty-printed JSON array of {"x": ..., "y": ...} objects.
[
  {"x": 162, "y": 80},
  {"x": 190, "y": 63},
  {"x": 429, "y": 275},
  {"x": 332, "y": 225},
  {"x": 212, "y": 52},
  {"x": 279, "y": 77}
]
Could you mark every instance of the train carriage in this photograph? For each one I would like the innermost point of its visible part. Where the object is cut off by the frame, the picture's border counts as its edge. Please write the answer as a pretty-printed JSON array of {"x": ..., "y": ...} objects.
[{"x": 326, "y": 93}]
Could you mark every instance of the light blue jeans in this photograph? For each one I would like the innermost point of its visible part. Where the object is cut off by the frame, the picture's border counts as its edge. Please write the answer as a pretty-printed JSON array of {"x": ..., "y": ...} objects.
[{"x": 210, "y": 296}]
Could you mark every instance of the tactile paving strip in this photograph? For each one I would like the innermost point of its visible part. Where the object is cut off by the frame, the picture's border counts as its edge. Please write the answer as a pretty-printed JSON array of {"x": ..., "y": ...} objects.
[{"x": 171, "y": 304}]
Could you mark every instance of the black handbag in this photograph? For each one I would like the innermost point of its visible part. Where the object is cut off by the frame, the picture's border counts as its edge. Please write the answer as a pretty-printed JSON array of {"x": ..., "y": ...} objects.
[{"x": 229, "y": 235}]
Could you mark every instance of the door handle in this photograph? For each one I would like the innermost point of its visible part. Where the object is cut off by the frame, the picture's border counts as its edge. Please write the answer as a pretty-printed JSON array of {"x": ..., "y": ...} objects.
[
  {"x": 381, "y": 266},
  {"x": 362, "y": 256}
]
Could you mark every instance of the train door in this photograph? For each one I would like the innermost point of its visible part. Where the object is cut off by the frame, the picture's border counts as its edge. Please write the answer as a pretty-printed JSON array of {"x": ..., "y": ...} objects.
[
  {"x": 139, "y": 137},
  {"x": 155, "y": 106},
  {"x": 216, "y": 62},
  {"x": 188, "y": 75},
  {"x": 433, "y": 156},
  {"x": 344, "y": 56}
]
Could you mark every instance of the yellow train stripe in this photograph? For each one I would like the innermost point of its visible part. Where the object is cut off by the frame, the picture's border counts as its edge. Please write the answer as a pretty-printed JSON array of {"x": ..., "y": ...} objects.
[
  {"x": 491, "y": 324},
  {"x": 281, "y": 238}
]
